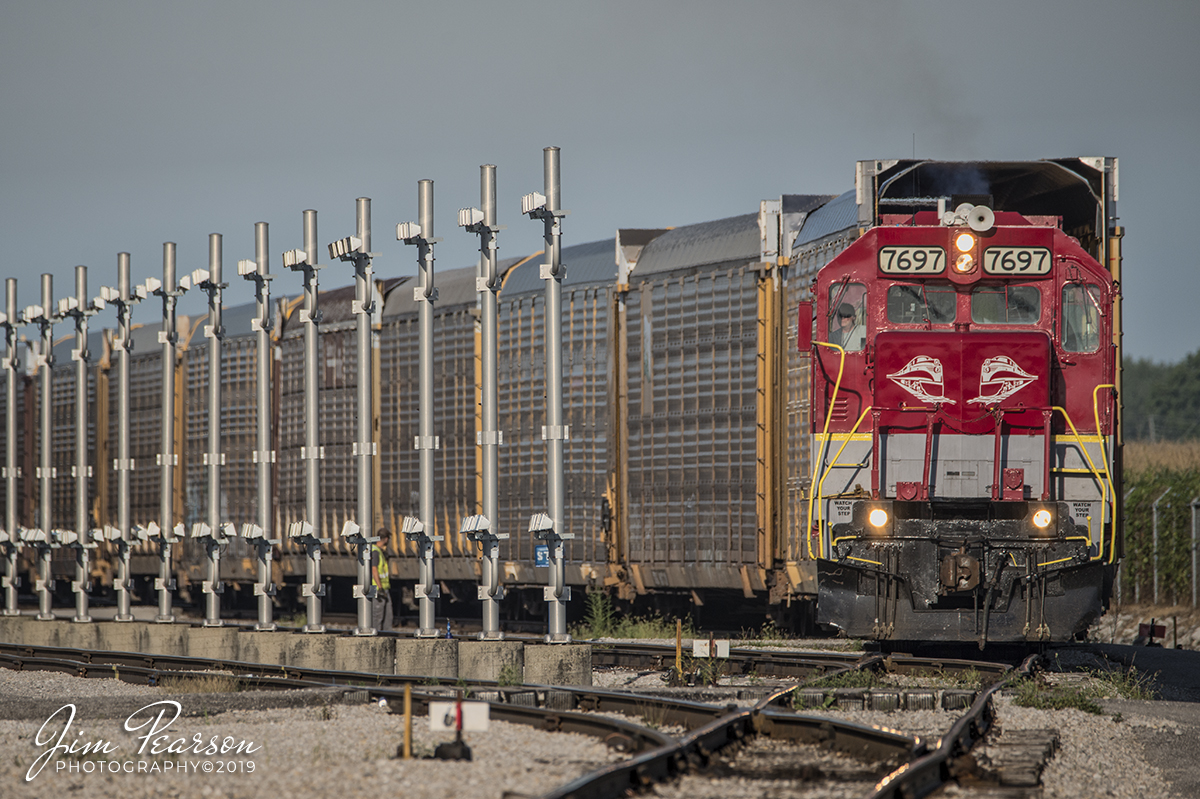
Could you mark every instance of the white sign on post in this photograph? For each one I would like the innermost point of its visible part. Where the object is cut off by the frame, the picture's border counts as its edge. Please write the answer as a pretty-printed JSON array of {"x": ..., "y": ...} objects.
[
  {"x": 701, "y": 649},
  {"x": 443, "y": 716}
]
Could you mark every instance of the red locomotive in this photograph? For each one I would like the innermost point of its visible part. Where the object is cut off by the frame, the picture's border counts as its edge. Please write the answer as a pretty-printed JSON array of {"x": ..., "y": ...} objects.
[{"x": 964, "y": 404}]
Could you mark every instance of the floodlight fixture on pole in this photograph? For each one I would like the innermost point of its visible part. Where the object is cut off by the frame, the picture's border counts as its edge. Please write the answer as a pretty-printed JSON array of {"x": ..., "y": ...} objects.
[
  {"x": 123, "y": 297},
  {"x": 167, "y": 458},
  {"x": 483, "y": 528},
  {"x": 10, "y": 536},
  {"x": 355, "y": 250},
  {"x": 546, "y": 208},
  {"x": 420, "y": 234},
  {"x": 262, "y": 535},
  {"x": 308, "y": 532}
]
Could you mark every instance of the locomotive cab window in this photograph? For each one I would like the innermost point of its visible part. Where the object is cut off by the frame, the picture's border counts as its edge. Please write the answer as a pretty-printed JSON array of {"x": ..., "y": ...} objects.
[
  {"x": 848, "y": 316},
  {"x": 921, "y": 303},
  {"x": 1006, "y": 305},
  {"x": 1080, "y": 317}
]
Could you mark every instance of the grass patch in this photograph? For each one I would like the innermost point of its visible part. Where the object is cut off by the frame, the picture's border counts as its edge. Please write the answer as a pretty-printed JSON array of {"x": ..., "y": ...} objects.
[
  {"x": 1121, "y": 684},
  {"x": 861, "y": 678},
  {"x": 201, "y": 684},
  {"x": 602, "y": 620},
  {"x": 510, "y": 674},
  {"x": 1036, "y": 693}
]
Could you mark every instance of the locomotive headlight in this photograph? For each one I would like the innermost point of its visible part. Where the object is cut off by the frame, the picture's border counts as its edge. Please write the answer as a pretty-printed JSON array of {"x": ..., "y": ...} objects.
[
  {"x": 1042, "y": 519},
  {"x": 965, "y": 242},
  {"x": 877, "y": 517},
  {"x": 964, "y": 264}
]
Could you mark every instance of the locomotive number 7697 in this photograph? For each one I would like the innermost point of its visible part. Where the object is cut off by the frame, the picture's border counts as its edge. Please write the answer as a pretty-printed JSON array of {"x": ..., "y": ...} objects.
[
  {"x": 1016, "y": 261},
  {"x": 912, "y": 260}
]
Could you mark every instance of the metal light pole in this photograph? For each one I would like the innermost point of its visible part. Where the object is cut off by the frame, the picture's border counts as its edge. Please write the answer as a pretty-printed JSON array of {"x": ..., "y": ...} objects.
[
  {"x": 308, "y": 532},
  {"x": 82, "y": 538},
  {"x": 165, "y": 532},
  {"x": 420, "y": 530},
  {"x": 1154, "y": 511},
  {"x": 1195, "y": 553},
  {"x": 356, "y": 250},
  {"x": 45, "y": 535},
  {"x": 483, "y": 528},
  {"x": 551, "y": 526},
  {"x": 124, "y": 299},
  {"x": 260, "y": 535},
  {"x": 213, "y": 534},
  {"x": 11, "y": 540}
]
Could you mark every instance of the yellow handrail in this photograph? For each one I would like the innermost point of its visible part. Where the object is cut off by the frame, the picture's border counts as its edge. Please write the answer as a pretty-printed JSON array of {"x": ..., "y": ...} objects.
[
  {"x": 1108, "y": 475},
  {"x": 829, "y": 468},
  {"x": 824, "y": 442},
  {"x": 1092, "y": 466}
]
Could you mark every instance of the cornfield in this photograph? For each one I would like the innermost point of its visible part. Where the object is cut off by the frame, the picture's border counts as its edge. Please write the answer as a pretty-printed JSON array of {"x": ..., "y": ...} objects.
[{"x": 1166, "y": 474}]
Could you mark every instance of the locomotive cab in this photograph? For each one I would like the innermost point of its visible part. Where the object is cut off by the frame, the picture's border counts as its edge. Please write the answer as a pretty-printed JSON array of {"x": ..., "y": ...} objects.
[{"x": 964, "y": 426}]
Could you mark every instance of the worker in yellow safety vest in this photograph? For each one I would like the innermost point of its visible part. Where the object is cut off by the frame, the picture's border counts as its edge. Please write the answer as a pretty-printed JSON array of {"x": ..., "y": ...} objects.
[{"x": 381, "y": 581}]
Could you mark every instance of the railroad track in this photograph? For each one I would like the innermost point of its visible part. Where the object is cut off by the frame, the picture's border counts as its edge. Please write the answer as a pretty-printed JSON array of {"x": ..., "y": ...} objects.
[{"x": 906, "y": 765}]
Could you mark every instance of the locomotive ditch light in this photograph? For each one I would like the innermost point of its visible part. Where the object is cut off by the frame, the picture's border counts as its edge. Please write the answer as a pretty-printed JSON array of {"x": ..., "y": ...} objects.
[
  {"x": 1042, "y": 518},
  {"x": 965, "y": 242},
  {"x": 878, "y": 517}
]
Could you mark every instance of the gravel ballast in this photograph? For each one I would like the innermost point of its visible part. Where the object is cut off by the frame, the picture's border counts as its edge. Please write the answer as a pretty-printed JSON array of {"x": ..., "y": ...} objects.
[{"x": 332, "y": 750}]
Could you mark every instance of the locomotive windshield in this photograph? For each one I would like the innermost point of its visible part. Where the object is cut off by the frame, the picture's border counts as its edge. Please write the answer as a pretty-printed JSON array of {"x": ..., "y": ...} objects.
[
  {"x": 921, "y": 303},
  {"x": 847, "y": 316},
  {"x": 1080, "y": 317},
  {"x": 1006, "y": 305}
]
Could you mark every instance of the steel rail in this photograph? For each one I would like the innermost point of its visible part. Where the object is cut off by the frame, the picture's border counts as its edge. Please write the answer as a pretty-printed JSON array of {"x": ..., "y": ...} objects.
[
  {"x": 83, "y": 662},
  {"x": 928, "y": 772},
  {"x": 618, "y": 733},
  {"x": 921, "y": 772}
]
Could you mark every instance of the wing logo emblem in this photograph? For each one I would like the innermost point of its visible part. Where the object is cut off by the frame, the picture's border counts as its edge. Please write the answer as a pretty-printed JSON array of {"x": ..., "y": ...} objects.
[
  {"x": 923, "y": 377},
  {"x": 999, "y": 379}
]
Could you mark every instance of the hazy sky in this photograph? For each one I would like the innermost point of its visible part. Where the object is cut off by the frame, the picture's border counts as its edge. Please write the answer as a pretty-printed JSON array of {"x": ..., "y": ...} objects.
[{"x": 127, "y": 124}]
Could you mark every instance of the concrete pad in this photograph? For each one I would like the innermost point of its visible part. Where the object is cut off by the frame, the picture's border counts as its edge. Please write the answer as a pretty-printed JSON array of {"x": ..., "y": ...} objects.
[
  {"x": 165, "y": 639},
  {"x": 374, "y": 655},
  {"x": 489, "y": 660},
  {"x": 12, "y": 629},
  {"x": 270, "y": 648},
  {"x": 312, "y": 651},
  {"x": 214, "y": 643},
  {"x": 120, "y": 636},
  {"x": 558, "y": 664},
  {"x": 44, "y": 633},
  {"x": 435, "y": 658},
  {"x": 78, "y": 635}
]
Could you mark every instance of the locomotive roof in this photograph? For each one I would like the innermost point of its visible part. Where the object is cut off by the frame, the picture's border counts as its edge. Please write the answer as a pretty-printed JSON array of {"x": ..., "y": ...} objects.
[{"x": 591, "y": 262}]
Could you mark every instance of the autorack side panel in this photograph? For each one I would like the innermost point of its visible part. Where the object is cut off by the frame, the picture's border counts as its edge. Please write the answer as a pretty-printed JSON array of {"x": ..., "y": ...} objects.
[
  {"x": 586, "y": 323},
  {"x": 692, "y": 332},
  {"x": 239, "y": 414},
  {"x": 455, "y": 321}
]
